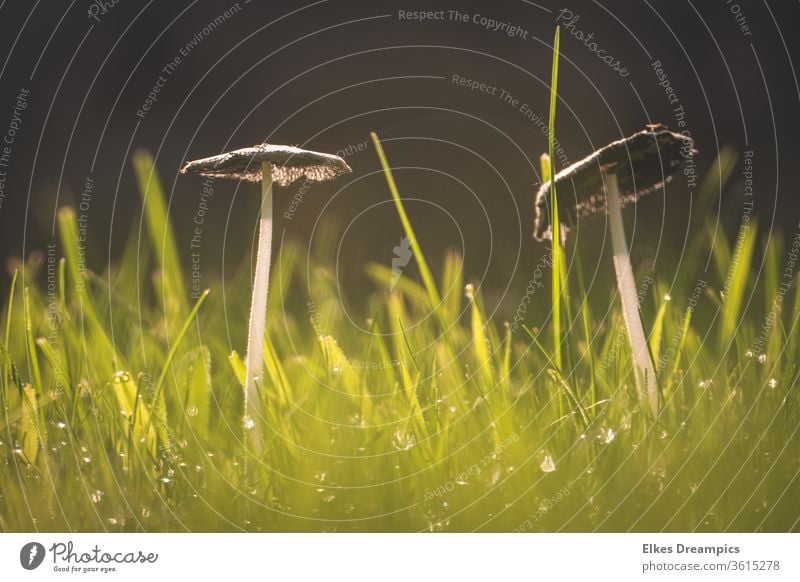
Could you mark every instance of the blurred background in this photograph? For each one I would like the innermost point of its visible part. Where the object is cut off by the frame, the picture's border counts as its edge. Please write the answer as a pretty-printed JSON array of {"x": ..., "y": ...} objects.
[{"x": 84, "y": 85}]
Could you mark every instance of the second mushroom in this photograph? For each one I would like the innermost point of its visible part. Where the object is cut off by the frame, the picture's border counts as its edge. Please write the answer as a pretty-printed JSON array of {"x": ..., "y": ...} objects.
[
  {"x": 604, "y": 182},
  {"x": 268, "y": 164}
]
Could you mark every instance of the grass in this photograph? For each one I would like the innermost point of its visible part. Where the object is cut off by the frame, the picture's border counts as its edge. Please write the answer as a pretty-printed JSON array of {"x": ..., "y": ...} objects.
[
  {"x": 122, "y": 398},
  {"x": 122, "y": 405}
]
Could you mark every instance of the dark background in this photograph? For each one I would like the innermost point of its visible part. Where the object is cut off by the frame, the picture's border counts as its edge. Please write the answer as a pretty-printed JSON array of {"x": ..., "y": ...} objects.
[{"x": 323, "y": 75}]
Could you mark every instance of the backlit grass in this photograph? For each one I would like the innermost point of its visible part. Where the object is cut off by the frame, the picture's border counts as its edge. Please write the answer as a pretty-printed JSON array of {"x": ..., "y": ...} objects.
[{"x": 122, "y": 399}]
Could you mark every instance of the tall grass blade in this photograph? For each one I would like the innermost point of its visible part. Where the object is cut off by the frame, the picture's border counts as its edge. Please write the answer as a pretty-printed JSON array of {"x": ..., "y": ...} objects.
[
  {"x": 159, "y": 402},
  {"x": 425, "y": 272},
  {"x": 33, "y": 358},
  {"x": 134, "y": 414},
  {"x": 197, "y": 400},
  {"x": 549, "y": 170},
  {"x": 480, "y": 341},
  {"x": 30, "y": 428},
  {"x": 162, "y": 236},
  {"x": 736, "y": 282}
]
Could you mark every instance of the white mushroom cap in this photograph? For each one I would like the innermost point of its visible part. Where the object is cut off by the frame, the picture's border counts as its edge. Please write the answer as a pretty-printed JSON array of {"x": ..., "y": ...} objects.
[{"x": 289, "y": 164}]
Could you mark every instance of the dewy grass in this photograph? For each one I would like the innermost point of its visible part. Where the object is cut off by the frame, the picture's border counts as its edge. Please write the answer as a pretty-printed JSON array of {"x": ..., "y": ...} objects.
[
  {"x": 394, "y": 430},
  {"x": 558, "y": 270}
]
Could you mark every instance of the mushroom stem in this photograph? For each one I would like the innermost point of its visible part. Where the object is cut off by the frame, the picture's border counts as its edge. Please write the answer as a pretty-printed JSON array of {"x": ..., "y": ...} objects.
[
  {"x": 258, "y": 312},
  {"x": 642, "y": 364}
]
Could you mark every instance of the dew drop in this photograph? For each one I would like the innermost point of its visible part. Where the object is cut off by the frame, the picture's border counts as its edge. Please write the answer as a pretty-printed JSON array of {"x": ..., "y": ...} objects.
[
  {"x": 606, "y": 435},
  {"x": 120, "y": 377},
  {"x": 403, "y": 440}
]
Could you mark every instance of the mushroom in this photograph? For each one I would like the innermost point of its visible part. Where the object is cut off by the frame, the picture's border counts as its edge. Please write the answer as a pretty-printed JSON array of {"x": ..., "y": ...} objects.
[
  {"x": 604, "y": 182},
  {"x": 265, "y": 163}
]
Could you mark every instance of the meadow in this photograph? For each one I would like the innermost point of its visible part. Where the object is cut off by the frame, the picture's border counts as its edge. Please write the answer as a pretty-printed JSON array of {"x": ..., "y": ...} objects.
[
  {"x": 123, "y": 408},
  {"x": 122, "y": 398}
]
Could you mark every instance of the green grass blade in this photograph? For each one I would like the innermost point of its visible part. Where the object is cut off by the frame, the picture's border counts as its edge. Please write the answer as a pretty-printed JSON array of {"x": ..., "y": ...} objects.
[
  {"x": 657, "y": 333},
  {"x": 33, "y": 358},
  {"x": 425, "y": 272},
  {"x": 134, "y": 414},
  {"x": 159, "y": 403},
  {"x": 736, "y": 282},
  {"x": 557, "y": 278},
  {"x": 29, "y": 425},
  {"x": 480, "y": 341},
  {"x": 54, "y": 359},
  {"x": 161, "y": 233},
  {"x": 505, "y": 369},
  {"x": 197, "y": 400},
  {"x": 586, "y": 325},
  {"x": 7, "y": 333},
  {"x": 452, "y": 284},
  {"x": 679, "y": 350},
  {"x": 238, "y": 367}
]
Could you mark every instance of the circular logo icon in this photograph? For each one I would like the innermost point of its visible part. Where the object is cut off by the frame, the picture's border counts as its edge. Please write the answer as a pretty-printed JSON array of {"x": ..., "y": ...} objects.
[{"x": 32, "y": 555}]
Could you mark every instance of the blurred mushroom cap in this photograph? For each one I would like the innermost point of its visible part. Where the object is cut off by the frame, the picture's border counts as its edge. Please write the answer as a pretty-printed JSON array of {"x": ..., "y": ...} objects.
[
  {"x": 643, "y": 163},
  {"x": 289, "y": 164}
]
